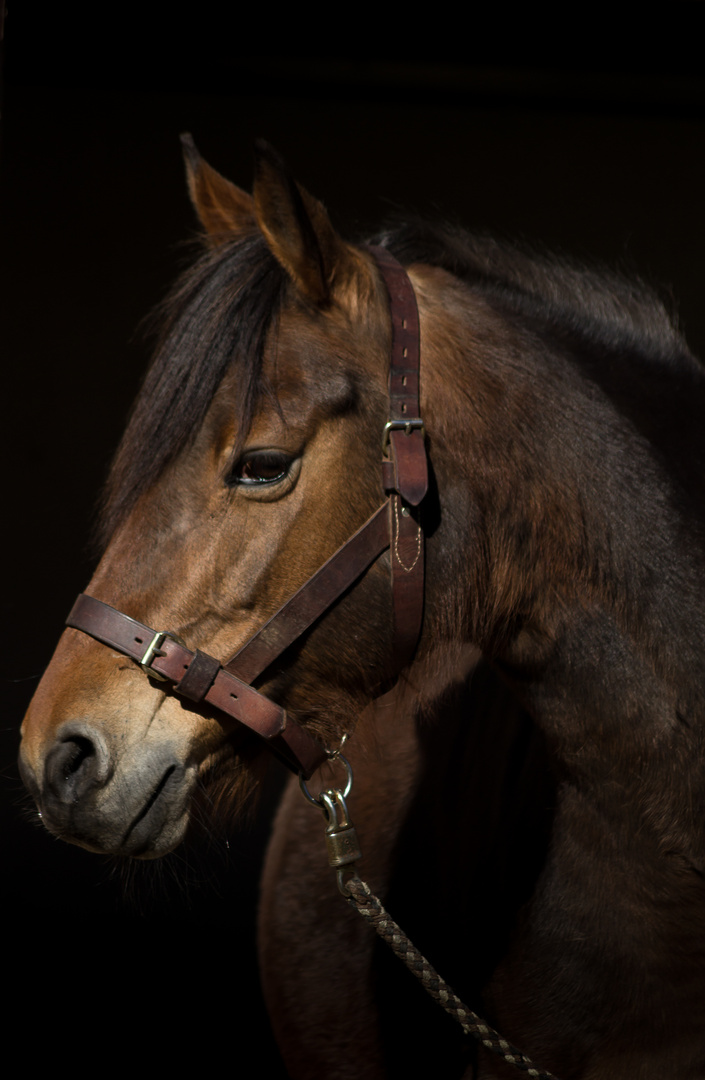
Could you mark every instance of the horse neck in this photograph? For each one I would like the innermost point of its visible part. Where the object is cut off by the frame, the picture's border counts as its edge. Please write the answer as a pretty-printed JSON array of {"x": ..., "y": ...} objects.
[{"x": 583, "y": 567}]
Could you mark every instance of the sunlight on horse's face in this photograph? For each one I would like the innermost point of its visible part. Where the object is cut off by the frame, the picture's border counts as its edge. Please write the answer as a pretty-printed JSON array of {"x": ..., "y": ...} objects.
[{"x": 209, "y": 556}]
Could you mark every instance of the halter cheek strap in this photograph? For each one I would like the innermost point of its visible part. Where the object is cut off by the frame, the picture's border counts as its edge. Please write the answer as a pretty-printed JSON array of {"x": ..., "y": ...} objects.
[
  {"x": 405, "y": 472},
  {"x": 201, "y": 678}
]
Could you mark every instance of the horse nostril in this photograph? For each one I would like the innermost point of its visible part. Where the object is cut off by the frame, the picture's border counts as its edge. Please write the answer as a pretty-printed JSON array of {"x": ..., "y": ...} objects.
[{"x": 73, "y": 765}]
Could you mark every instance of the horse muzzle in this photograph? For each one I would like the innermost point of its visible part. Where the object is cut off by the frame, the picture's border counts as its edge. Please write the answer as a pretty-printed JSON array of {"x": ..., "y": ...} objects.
[{"x": 135, "y": 804}]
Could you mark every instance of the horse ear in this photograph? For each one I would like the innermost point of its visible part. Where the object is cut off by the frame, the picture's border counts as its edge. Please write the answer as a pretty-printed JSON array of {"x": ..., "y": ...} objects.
[
  {"x": 223, "y": 209},
  {"x": 296, "y": 226}
]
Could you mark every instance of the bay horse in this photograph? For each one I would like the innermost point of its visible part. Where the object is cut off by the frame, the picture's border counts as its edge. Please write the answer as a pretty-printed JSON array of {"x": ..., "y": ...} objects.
[{"x": 529, "y": 771}]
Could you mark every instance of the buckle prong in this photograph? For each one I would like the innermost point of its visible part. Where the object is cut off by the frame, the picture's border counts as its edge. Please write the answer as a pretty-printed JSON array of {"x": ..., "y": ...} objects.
[
  {"x": 154, "y": 649},
  {"x": 407, "y": 426}
]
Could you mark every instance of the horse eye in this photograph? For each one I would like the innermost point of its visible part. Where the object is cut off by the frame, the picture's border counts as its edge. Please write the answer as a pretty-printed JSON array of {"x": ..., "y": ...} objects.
[{"x": 260, "y": 467}]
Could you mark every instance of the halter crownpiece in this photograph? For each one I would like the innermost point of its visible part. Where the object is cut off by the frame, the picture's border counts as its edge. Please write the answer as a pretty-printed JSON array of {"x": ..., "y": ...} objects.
[{"x": 199, "y": 677}]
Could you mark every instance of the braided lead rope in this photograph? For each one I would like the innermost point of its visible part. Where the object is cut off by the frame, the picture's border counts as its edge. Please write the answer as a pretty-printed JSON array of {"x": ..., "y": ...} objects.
[{"x": 363, "y": 900}]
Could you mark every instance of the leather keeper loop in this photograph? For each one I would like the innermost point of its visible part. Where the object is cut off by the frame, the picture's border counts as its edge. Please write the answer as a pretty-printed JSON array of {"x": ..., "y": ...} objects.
[{"x": 199, "y": 677}]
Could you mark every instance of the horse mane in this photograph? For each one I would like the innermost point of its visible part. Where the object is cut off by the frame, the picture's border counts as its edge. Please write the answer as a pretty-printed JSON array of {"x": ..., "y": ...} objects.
[
  {"x": 221, "y": 309},
  {"x": 595, "y": 305}
]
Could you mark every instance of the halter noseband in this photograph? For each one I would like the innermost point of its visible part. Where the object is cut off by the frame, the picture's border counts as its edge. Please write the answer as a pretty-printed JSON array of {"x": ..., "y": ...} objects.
[{"x": 199, "y": 677}]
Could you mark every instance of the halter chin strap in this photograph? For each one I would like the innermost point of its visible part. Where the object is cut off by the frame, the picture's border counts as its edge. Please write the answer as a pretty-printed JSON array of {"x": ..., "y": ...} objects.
[{"x": 201, "y": 678}]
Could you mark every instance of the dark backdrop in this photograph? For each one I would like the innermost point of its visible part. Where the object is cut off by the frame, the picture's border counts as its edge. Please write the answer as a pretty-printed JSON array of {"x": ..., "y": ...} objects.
[{"x": 602, "y": 158}]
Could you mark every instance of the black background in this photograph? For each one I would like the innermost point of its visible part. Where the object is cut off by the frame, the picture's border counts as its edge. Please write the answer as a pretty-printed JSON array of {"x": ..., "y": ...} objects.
[{"x": 585, "y": 142}]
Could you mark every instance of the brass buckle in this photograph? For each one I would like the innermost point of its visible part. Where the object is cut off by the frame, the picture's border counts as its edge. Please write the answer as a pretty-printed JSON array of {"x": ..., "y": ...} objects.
[
  {"x": 407, "y": 426},
  {"x": 155, "y": 649}
]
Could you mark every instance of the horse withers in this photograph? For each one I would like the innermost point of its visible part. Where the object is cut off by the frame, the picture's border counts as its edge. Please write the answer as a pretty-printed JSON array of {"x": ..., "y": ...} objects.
[{"x": 530, "y": 797}]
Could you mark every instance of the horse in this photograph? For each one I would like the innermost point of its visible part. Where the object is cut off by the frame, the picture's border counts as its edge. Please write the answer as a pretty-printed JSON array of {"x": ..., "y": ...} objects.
[{"x": 529, "y": 776}]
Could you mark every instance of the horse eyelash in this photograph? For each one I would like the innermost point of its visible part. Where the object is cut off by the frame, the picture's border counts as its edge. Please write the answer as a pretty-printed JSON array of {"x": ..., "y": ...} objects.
[{"x": 263, "y": 457}]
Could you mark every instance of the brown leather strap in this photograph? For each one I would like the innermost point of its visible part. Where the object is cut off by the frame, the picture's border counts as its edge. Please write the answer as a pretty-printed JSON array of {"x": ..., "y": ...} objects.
[
  {"x": 405, "y": 475},
  {"x": 171, "y": 660},
  {"x": 407, "y": 564},
  {"x": 405, "y": 432},
  {"x": 313, "y": 598}
]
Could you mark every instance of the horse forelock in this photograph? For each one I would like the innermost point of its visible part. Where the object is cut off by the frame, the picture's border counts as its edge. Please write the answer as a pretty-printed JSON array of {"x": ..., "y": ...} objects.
[{"x": 217, "y": 315}]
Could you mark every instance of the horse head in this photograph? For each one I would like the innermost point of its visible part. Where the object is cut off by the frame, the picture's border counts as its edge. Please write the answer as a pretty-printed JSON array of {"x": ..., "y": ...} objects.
[{"x": 252, "y": 454}]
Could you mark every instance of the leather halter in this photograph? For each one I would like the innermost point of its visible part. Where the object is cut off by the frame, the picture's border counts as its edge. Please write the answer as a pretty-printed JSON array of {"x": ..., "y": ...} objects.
[{"x": 199, "y": 677}]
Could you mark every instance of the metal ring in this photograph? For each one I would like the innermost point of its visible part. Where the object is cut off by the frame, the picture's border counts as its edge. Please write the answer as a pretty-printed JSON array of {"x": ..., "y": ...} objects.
[
  {"x": 318, "y": 801},
  {"x": 332, "y": 754}
]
